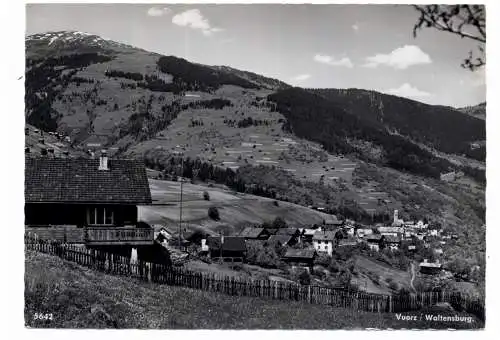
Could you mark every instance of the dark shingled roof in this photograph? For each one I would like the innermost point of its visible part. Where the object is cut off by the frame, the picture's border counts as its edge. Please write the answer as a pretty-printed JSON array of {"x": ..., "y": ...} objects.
[
  {"x": 375, "y": 237},
  {"x": 231, "y": 243},
  {"x": 78, "y": 180},
  {"x": 324, "y": 235},
  {"x": 251, "y": 232},
  {"x": 282, "y": 239},
  {"x": 299, "y": 253}
]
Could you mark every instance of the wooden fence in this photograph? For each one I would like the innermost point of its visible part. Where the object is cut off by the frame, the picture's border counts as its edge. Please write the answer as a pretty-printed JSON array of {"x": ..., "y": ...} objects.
[{"x": 162, "y": 274}]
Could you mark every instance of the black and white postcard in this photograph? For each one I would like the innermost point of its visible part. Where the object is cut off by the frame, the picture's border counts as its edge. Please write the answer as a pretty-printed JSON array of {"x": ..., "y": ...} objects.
[{"x": 255, "y": 166}]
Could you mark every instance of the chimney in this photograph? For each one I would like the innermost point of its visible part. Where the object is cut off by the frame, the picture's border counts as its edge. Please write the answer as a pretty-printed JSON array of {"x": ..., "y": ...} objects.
[{"x": 103, "y": 161}]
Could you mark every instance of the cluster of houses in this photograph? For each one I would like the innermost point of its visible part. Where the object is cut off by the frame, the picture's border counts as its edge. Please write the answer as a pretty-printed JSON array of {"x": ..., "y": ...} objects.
[{"x": 324, "y": 239}]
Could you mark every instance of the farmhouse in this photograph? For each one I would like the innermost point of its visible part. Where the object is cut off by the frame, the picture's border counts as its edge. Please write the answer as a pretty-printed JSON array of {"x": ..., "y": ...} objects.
[
  {"x": 375, "y": 241},
  {"x": 300, "y": 257},
  {"x": 323, "y": 241},
  {"x": 347, "y": 242},
  {"x": 430, "y": 267},
  {"x": 91, "y": 201},
  {"x": 392, "y": 242},
  {"x": 226, "y": 248}
]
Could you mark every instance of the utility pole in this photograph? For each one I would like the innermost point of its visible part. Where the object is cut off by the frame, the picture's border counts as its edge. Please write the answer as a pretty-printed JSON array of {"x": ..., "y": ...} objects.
[{"x": 180, "y": 210}]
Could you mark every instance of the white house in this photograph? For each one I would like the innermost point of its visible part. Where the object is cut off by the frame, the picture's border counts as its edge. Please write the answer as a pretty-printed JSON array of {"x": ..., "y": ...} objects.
[
  {"x": 390, "y": 231},
  {"x": 433, "y": 232},
  {"x": 323, "y": 241},
  {"x": 364, "y": 232},
  {"x": 421, "y": 225},
  {"x": 350, "y": 231}
]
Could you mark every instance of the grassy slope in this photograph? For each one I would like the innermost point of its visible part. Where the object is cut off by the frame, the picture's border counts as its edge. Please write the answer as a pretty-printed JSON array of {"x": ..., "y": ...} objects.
[
  {"x": 81, "y": 298},
  {"x": 234, "y": 208}
]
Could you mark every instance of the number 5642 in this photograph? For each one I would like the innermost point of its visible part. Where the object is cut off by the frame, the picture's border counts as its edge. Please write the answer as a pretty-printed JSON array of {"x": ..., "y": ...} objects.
[{"x": 43, "y": 316}]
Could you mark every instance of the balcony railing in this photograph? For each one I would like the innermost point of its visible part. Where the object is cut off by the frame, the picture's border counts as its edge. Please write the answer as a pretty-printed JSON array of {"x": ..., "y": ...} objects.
[{"x": 118, "y": 236}]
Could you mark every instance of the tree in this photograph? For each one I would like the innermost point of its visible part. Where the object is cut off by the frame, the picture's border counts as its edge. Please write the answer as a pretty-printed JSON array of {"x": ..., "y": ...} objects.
[
  {"x": 206, "y": 196},
  {"x": 466, "y": 21},
  {"x": 213, "y": 213},
  {"x": 279, "y": 223}
]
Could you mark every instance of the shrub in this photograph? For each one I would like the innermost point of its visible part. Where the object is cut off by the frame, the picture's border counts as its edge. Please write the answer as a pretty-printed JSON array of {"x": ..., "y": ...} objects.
[
  {"x": 262, "y": 255},
  {"x": 206, "y": 196},
  {"x": 279, "y": 223},
  {"x": 305, "y": 278},
  {"x": 213, "y": 213},
  {"x": 393, "y": 285}
]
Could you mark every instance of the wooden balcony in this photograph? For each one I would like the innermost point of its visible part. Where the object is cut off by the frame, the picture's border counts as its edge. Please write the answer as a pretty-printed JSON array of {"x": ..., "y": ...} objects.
[{"x": 118, "y": 236}]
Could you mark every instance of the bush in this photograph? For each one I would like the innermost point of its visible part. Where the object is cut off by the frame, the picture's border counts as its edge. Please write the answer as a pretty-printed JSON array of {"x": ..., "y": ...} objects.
[
  {"x": 393, "y": 285},
  {"x": 213, "y": 213},
  {"x": 323, "y": 260},
  {"x": 305, "y": 278},
  {"x": 206, "y": 196},
  {"x": 263, "y": 255},
  {"x": 279, "y": 223}
]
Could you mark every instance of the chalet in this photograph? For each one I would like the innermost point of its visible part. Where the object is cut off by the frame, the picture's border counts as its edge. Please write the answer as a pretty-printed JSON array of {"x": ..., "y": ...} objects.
[
  {"x": 300, "y": 258},
  {"x": 347, "y": 242},
  {"x": 227, "y": 248},
  {"x": 91, "y": 201},
  {"x": 375, "y": 241},
  {"x": 392, "y": 242},
  {"x": 431, "y": 268},
  {"x": 251, "y": 233},
  {"x": 324, "y": 241}
]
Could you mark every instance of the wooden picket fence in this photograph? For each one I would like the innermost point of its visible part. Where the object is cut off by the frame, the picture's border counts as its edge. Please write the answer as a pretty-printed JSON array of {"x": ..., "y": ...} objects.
[{"x": 162, "y": 274}]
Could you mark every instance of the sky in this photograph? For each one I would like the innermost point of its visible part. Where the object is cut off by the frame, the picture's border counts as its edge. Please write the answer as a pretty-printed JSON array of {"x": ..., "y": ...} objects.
[{"x": 314, "y": 46}]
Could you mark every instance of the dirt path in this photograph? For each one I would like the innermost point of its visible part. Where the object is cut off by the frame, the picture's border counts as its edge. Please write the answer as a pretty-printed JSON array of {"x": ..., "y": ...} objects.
[{"x": 412, "y": 277}]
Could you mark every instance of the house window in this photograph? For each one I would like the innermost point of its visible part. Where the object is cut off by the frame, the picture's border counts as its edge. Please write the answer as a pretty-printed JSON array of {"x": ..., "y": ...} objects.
[{"x": 100, "y": 216}]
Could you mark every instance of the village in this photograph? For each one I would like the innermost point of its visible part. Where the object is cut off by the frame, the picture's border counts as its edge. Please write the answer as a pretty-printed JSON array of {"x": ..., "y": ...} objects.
[
  {"x": 421, "y": 244},
  {"x": 302, "y": 246}
]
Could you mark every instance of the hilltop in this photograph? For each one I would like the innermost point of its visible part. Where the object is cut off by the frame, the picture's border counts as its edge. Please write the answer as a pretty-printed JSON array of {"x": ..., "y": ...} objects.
[{"x": 477, "y": 111}]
